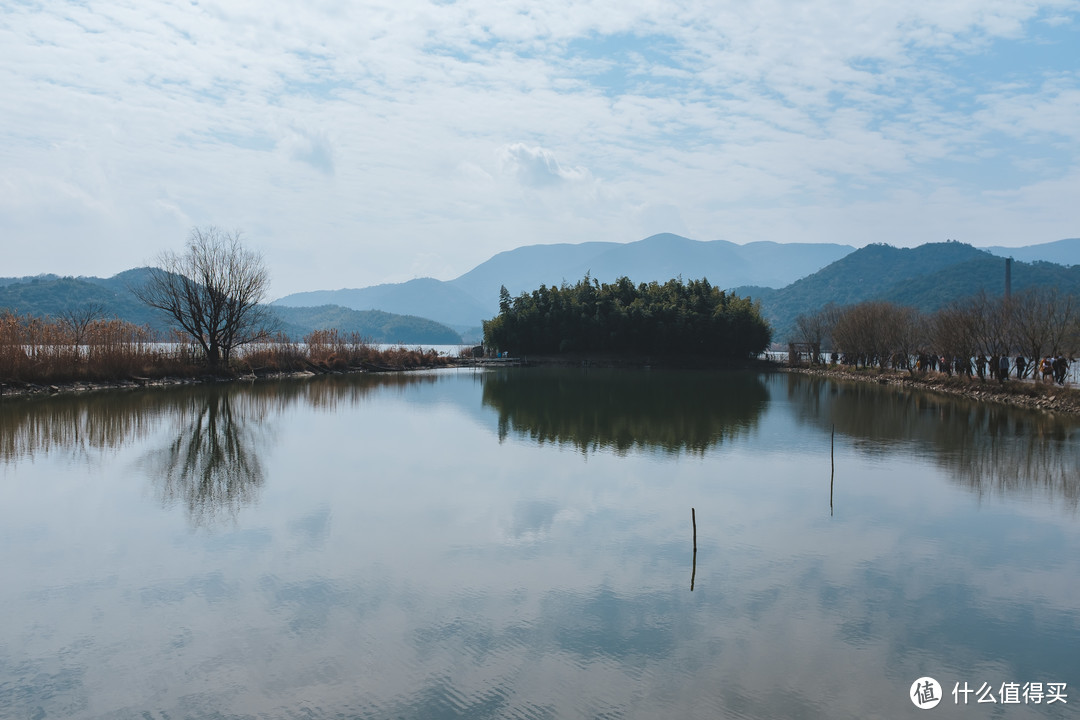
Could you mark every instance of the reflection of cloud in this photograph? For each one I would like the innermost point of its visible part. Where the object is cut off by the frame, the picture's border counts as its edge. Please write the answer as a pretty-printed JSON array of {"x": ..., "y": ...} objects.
[
  {"x": 532, "y": 520},
  {"x": 314, "y": 527},
  {"x": 536, "y": 166}
]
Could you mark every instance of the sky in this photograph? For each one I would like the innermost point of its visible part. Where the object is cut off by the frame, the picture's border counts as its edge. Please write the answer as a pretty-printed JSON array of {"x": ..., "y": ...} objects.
[{"x": 356, "y": 143}]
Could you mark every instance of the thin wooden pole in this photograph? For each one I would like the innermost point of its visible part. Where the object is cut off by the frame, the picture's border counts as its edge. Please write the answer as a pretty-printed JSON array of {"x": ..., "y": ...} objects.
[
  {"x": 693, "y": 519},
  {"x": 693, "y": 569},
  {"x": 832, "y": 473}
]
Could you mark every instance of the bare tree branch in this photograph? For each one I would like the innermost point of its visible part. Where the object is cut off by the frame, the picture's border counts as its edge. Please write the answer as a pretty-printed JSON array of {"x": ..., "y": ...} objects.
[{"x": 212, "y": 292}]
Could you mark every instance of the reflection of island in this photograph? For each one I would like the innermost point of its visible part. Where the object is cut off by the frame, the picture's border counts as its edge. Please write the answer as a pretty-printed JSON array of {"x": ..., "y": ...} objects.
[
  {"x": 622, "y": 410},
  {"x": 211, "y": 466},
  {"x": 987, "y": 447}
]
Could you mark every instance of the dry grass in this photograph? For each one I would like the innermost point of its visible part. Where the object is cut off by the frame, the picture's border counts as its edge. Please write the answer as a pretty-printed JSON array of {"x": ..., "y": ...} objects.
[
  {"x": 43, "y": 351},
  {"x": 39, "y": 350},
  {"x": 334, "y": 351}
]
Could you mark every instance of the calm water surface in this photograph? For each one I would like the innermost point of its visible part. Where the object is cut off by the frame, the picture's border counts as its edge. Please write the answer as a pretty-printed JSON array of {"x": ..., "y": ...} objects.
[{"x": 518, "y": 544}]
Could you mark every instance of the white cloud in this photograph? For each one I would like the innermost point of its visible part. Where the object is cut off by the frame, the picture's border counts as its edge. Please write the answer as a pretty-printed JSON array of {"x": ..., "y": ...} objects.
[
  {"x": 312, "y": 148},
  {"x": 537, "y": 167},
  {"x": 389, "y": 129}
]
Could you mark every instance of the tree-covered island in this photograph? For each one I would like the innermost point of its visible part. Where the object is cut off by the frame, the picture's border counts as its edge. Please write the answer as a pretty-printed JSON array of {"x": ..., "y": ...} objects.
[{"x": 673, "y": 318}]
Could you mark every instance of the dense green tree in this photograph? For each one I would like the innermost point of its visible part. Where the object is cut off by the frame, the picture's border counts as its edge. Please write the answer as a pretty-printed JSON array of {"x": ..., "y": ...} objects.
[{"x": 674, "y": 317}]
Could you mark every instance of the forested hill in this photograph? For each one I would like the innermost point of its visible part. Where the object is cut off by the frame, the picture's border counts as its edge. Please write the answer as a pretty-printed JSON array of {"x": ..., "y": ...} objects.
[
  {"x": 864, "y": 273},
  {"x": 926, "y": 277},
  {"x": 375, "y": 325},
  {"x": 52, "y": 295}
]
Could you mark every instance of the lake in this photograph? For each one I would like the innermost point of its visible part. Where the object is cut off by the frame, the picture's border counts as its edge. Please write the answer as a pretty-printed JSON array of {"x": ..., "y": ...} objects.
[{"x": 518, "y": 543}]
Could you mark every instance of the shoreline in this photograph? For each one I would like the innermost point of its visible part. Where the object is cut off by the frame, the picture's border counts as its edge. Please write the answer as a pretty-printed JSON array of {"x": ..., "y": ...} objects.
[
  {"x": 1026, "y": 393},
  {"x": 79, "y": 387}
]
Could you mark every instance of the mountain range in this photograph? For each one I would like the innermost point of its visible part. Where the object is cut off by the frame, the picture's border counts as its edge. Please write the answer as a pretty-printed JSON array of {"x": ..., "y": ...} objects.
[
  {"x": 51, "y": 295},
  {"x": 787, "y": 279},
  {"x": 464, "y": 301},
  {"x": 926, "y": 277}
]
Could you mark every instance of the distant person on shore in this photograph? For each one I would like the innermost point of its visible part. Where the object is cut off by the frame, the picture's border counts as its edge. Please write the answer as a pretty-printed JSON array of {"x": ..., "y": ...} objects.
[
  {"x": 1004, "y": 368},
  {"x": 1046, "y": 368},
  {"x": 1060, "y": 366},
  {"x": 963, "y": 367},
  {"x": 1021, "y": 367},
  {"x": 980, "y": 366}
]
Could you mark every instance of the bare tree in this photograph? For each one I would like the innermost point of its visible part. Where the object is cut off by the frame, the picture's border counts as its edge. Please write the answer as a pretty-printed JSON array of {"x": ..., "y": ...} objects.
[
  {"x": 78, "y": 320},
  {"x": 993, "y": 322},
  {"x": 1034, "y": 313},
  {"x": 909, "y": 332},
  {"x": 873, "y": 331},
  {"x": 953, "y": 330},
  {"x": 1062, "y": 313},
  {"x": 815, "y": 329},
  {"x": 212, "y": 292}
]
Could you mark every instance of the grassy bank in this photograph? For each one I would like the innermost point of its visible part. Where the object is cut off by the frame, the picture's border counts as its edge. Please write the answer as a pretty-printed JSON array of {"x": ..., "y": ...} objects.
[
  {"x": 40, "y": 352},
  {"x": 1021, "y": 393}
]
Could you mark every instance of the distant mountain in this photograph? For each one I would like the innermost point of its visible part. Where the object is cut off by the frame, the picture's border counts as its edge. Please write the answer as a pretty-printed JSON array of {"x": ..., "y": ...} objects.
[
  {"x": 424, "y": 297},
  {"x": 474, "y": 296},
  {"x": 1062, "y": 252},
  {"x": 787, "y": 278},
  {"x": 51, "y": 295},
  {"x": 374, "y": 325},
  {"x": 659, "y": 257},
  {"x": 926, "y": 277}
]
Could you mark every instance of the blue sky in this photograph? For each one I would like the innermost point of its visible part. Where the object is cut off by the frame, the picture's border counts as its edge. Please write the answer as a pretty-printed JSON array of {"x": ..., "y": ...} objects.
[{"x": 364, "y": 142}]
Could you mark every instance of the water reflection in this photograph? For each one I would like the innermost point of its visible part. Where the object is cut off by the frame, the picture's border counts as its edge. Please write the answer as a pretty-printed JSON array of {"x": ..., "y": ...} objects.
[
  {"x": 73, "y": 425},
  {"x": 672, "y": 411},
  {"x": 109, "y": 419},
  {"x": 477, "y": 579},
  {"x": 987, "y": 447},
  {"x": 211, "y": 464}
]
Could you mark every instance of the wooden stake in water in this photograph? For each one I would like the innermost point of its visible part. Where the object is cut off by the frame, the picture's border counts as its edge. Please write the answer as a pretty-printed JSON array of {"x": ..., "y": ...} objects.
[
  {"x": 693, "y": 519},
  {"x": 832, "y": 461},
  {"x": 693, "y": 569}
]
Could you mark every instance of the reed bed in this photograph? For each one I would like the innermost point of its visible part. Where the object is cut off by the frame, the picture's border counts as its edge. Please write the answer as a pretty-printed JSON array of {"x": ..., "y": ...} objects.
[
  {"x": 41, "y": 350},
  {"x": 36, "y": 350},
  {"x": 332, "y": 350}
]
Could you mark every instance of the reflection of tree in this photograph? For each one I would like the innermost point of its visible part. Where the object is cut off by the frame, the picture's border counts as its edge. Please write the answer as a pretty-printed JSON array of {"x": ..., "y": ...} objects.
[
  {"x": 75, "y": 425},
  {"x": 211, "y": 466},
  {"x": 987, "y": 447},
  {"x": 624, "y": 409},
  {"x": 79, "y": 424}
]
